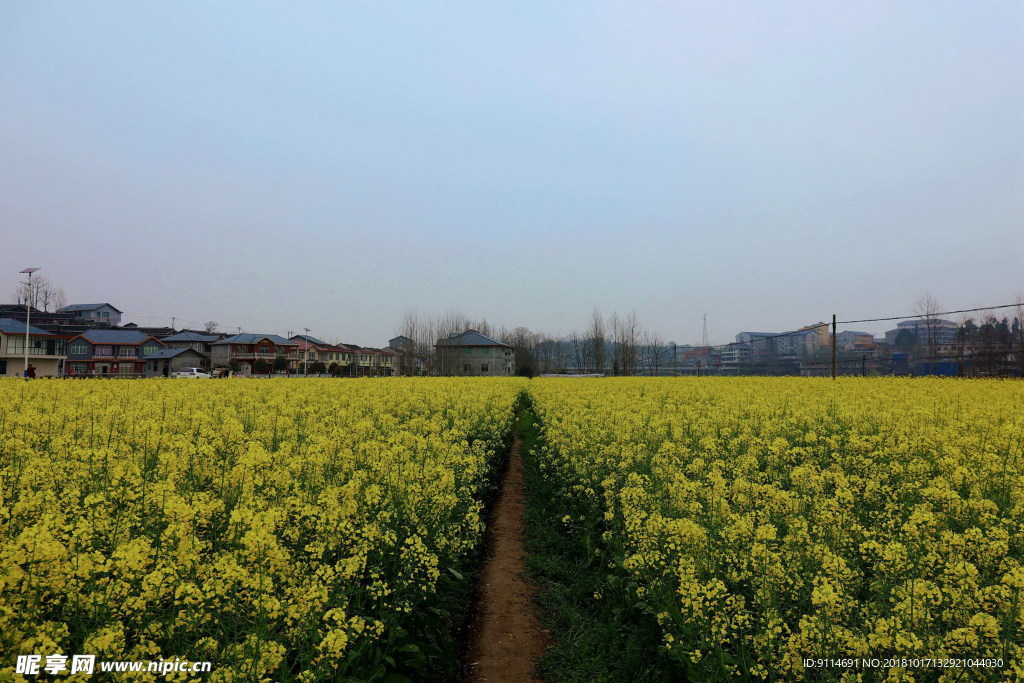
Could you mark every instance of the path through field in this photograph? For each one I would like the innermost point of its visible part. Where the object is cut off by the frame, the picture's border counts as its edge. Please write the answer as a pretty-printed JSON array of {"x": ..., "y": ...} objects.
[{"x": 506, "y": 637}]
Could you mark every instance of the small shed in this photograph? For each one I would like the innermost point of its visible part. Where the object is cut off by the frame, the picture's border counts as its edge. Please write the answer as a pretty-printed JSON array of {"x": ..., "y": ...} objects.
[{"x": 165, "y": 362}]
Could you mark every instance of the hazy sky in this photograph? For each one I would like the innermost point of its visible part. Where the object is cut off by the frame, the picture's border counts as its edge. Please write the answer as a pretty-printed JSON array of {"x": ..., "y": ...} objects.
[{"x": 331, "y": 165}]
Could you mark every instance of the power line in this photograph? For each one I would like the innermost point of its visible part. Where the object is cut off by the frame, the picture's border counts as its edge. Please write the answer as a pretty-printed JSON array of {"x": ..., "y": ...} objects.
[{"x": 928, "y": 315}]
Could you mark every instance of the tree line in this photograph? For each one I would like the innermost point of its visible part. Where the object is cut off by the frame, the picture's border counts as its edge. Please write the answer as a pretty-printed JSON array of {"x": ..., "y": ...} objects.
[{"x": 615, "y": 345}]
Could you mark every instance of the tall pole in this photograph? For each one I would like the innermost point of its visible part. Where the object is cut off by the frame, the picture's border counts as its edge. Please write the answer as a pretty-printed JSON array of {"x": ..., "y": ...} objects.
[
  {"x": 305, "y": 355},
  {"x": 833, "y": 346},
  {"x": 675, "y": 365},
  {"x": 28, "y": 311}
]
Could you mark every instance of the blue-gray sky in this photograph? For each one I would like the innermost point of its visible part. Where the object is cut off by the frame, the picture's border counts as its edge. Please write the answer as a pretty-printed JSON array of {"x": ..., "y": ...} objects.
[{"x": 331, "y": 165}]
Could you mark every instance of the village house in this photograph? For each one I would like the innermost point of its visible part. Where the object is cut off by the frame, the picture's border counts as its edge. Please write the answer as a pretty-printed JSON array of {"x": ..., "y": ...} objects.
[
  {"x": 246, "y": 350},
  {"x": 103, "y": 314},
  {"x": 46, "y": 351},
  {"x": 474, "y": 354},
  {"x": 110, "y": 352},
  {"x": 166, "y": 361}
]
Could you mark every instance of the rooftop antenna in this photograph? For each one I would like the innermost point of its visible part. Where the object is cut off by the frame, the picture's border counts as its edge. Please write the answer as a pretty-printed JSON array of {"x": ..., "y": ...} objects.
[{"x": 704, "y": 339}]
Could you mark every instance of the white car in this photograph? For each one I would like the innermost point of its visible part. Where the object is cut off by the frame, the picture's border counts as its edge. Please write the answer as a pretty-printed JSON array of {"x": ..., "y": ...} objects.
[{"x": 193, "y": 373}]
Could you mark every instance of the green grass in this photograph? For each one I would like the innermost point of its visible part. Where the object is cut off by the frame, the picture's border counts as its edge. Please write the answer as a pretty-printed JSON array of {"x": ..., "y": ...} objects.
[{"x": 610, "y": 638}]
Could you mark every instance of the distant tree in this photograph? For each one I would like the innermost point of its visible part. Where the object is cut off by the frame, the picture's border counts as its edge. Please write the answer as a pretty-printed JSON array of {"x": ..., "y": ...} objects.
[
  {"x": 261, "y": 366},
  {"x": 1019, "y": 334},
  {"x": 211, "y": 326},
  {"x": 653, "y": 353},
  {"x": 596, "y": 335},
  {"x": 966, "y": 333},
  {"x": 523, "y": 343},
  {"x": 334, "y": 369},
  {"x": 42, "y": 295},
  {"x": 318, "y": 367},
  {"x": 280, "y": 363},
  {"x": 927, "y": 308}
]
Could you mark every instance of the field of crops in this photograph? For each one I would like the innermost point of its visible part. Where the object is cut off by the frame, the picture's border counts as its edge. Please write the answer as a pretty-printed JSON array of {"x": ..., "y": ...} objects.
[
  {"x": 276, "y": 528},
  {"x": 763, "y": 521},
  {"x": 313, "y": 529}
]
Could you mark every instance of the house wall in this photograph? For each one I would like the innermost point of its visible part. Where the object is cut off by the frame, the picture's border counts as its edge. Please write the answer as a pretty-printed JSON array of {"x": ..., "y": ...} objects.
[
  {"x": 14, "y": 366},
  {"x": 189, "y": 359},
  {"x": 45, "y": 354},
  {"x": 452, "y": 360}
]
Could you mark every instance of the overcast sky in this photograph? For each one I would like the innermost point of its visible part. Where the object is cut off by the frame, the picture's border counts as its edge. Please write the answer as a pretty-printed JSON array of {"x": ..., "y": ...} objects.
[{"x": 331, "y": 165}]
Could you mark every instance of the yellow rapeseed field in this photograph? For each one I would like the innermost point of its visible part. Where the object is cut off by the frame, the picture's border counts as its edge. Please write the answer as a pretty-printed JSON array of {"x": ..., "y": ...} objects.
[
  {"x": 276, "y": 528},
  {"x": 765, "y": 521}
]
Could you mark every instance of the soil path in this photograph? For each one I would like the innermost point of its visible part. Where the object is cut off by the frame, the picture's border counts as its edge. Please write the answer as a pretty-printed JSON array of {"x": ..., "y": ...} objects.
[{"x": 506, "y": 637}]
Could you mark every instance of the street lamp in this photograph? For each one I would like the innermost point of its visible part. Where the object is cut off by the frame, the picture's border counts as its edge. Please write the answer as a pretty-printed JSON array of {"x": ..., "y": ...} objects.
[
  {"x": 305, "y": 354},
  {"x": 28, "y": 310}
]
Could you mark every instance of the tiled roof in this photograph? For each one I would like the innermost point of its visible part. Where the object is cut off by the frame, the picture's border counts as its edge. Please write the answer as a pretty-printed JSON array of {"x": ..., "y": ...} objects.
[
  {"x": 11, "y": 326},
  {"x": 246, "y": 338},
  {"x": 192, "y": 336},
  {"x": 311, "y": 340},
  {"x": 114, "y": 336},
  {"x": 470, "y": 338},
  {"x": 86, "y": 307},
  {"x": 167, "y": 353}
]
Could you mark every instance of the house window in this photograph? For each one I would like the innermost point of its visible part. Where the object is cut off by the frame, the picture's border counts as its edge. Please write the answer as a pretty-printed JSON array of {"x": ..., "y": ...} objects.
[
  {"x": 483, "y": 367},
  {"x": 126, "y": 368},
  {"x": 149, "y": 349},
  {"x": 127, "y": 352},
  {"x": 264, "y": 349},
  {"x": 79, "y": 349},
  {"x": 467, "y": 368},
  {"x": 466, "y": 352},
  {"x": 78, "y": 368},
  {"x": 104, "y": 351}
]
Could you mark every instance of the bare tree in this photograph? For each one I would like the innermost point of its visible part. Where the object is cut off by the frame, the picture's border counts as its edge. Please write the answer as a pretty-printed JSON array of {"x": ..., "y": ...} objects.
[
  {"x": 927, "y": 308},
  {"x": 42, "y": 295},
  {"x": 627, "y": 342},
  {"x": 595, "y": 340},
  {"x": 653, "y": 353},
  {"x": 578, "y": 344},
  {"x": 1019, "y": 314},
  {"x": 211, "y": 326}
]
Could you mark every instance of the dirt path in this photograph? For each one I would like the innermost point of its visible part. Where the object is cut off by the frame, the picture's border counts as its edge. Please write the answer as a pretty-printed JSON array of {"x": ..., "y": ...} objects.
[{"x": 506, "y": 637}]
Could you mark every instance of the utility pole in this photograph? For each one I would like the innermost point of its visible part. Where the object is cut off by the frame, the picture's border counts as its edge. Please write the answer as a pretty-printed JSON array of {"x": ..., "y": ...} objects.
[
  {"x": 28, "y": 311},
  {"x": 704, "y": 338},
  {"x": 675, "y": 364},
  {"x": 833, "y": 346},
  {"x": 305, "y": 355}
]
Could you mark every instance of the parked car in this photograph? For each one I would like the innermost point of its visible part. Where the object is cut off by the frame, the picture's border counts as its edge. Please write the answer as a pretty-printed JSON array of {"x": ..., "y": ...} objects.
[{"x": 193, "y": 373}]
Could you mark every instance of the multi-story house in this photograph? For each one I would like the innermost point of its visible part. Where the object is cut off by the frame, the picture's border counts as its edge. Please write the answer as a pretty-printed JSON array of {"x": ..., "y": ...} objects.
[
  {"x": 313, "y": 350},
  {"x": 388, "y": 361},
  {"x": 942, "y": 332},
  {"x": 46, "y": 351},
  {"x": 103, "y": 314},
  {"x": 110, "y": 352},
  {"x": 405, "y": 361},
  {"x": 246, "y": 349},
  {"x": 474, "y": 354},
  {"x": 200, "y": 342},
  {"x": 848, "y": 339},
  {"x": 734, "y": 356}
]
